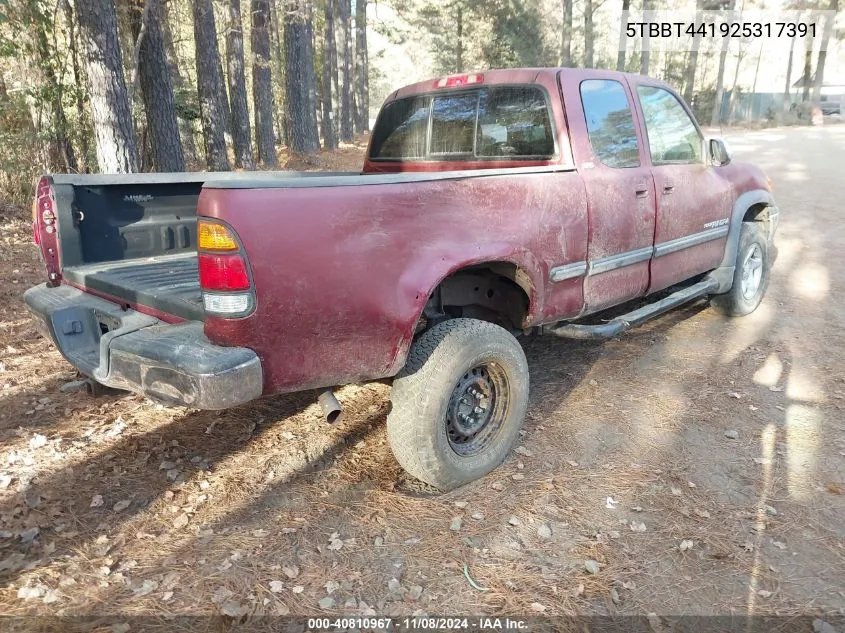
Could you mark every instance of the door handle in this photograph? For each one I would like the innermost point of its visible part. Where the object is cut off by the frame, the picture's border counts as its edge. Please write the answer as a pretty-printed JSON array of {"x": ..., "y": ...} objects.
[
  {"x": 642, "y": 190},
  {"x": 668, "y": 187}
]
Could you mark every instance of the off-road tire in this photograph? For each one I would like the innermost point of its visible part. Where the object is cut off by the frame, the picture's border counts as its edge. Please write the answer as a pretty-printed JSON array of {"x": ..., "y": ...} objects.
[
  {"x": 423, "y": 390},
  {"x": 734, "y": 302}
]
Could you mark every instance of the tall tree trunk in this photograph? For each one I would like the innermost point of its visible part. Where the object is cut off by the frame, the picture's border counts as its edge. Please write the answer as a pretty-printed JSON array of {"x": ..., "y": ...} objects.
[
  {"x": 299, "y": 76},
  {"x": 787, "y": 89},
  {"x": 137, "y": 13},
  {"x": 117, "y": 150},
  {"x": 808, "y": 66},
  {"x": 739, "y": 57},
  {"x": 331, "y": 37},
  {"x": 716, "y": 116},
  {"x": 60, "y": 149},
  {"x": 459, "y": 41},
  {"x": 329, "y": 76},
  {"x": 157, "y": 93},
  {"x": 346, "y": 61},
  {"x": 692, "y": 64},
  {"x": 362, "y": 68},
  {"x": 277, "y": 45},
  {"x": 566, "y": 34},
  {"x": 588, "y": 33},
  {"x": 241, "y": 134},
  {"x": 186, "y": 128},
  {"x": 754, "y": 100},
  {"x": 822, "y": 58},
  {"x": 262, "y": 83},
  {"x": 313, "y": 97},
  {"x": 78, "y": 90},
  {"x": 623, "y": 36},
  {"x": 213, "y": 107},
  {"x": 645, "y": 57}
]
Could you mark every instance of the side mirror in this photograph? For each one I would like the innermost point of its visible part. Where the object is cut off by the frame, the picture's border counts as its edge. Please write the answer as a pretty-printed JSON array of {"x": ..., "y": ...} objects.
[{"x": 720, "y": 155}]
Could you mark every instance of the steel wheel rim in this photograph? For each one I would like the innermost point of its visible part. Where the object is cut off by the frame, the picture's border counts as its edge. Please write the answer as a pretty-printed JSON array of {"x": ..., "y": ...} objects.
[
  {"x": 752, "y": 272},
  {"x": 477, "y": 409}
]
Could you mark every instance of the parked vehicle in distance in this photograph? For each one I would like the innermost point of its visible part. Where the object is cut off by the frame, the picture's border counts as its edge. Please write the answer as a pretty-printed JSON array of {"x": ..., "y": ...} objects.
[
  {"x": 489, "y": 205},
  {"x": 830, "y": 107}
]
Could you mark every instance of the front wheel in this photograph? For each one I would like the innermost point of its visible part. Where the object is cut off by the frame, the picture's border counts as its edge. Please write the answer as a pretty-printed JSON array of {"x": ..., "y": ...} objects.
[
  {"x": 751, "y": 275},
  {"x": 458, "y": 405}
]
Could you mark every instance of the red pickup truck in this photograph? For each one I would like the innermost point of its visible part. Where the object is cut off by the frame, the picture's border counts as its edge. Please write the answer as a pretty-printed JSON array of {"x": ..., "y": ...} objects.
[{"x": 489, "y": 205}]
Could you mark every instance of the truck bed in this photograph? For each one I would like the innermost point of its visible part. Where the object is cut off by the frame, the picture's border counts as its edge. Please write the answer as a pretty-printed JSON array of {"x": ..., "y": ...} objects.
[
  {"x": 169, "y": 283},
  {"x": 132, "y": 238}
]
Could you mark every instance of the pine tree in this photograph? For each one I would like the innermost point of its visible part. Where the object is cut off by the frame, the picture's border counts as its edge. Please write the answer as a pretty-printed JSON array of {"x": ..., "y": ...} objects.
[
  {"x": 262, "y": 84},
  {"x": 116, "y": 147},
  {"x": 645, "y": 59},
  {"x": 299, "y": 78},
  {"x": 329, "y": 84},
  {"x": 362, "y": 69},
  {"x": 241, "y": 134},
  {"x": 623, "y": 36},
  {"x": 566, "y": 35},
  {"x": 213, "y": 107},
  {"x": 185, "y": 97},
  {"x": 344, "y": 15},
  {"x": 589, "y": 38},
  {"x": 157, "y": 92}
]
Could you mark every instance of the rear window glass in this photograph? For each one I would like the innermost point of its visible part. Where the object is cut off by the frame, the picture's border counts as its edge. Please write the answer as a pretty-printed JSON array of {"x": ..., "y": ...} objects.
[
  {"x": 508, "y": 122},
  {"x": 407, "y": 123},
  {"x": 514, "y": 122}
]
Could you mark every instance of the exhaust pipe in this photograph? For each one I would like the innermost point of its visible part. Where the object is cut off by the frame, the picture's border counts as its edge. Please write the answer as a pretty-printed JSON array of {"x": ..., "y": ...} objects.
[{"x": 330, "y": 406}]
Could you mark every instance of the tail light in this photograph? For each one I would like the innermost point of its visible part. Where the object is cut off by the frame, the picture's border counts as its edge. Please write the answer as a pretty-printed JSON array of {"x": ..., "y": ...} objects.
[
  {"x": 45, "y": 228},
  {"x": 224, "y": 271}
]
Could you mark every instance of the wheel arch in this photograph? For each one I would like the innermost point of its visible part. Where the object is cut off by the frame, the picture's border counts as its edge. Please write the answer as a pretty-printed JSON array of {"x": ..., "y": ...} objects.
[
  {"x": 520, "y": 276},
  {"x": 752, "y": 205},
  {"x": 506, "y": 280}
]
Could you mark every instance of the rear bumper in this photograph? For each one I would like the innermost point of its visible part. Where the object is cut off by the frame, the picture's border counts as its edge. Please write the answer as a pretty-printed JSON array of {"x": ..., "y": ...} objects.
[{"x": 125, "y": 349}]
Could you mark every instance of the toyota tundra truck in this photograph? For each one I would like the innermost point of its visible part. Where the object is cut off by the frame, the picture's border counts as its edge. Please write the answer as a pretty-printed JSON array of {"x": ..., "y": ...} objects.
[{"x": 489, "y": 206}]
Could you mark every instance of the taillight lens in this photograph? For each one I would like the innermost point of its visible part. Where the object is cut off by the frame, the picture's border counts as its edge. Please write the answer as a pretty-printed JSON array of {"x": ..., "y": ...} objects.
[
  {"x": 232, "y": 303},
  {"x": 44, "y": 228},
  {"x": 36, "y": 232},
  {"x": 223, "y": 272},
  {"x": 215, "y": 237}
]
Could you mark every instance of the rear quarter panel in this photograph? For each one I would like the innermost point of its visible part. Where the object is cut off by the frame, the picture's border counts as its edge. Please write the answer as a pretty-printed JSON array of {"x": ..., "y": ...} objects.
[{"x": 342, "y": 273}]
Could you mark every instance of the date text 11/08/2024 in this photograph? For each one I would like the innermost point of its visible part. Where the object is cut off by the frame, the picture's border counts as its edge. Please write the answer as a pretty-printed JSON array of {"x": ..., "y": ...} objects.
[{"x": 421, "y": 623}]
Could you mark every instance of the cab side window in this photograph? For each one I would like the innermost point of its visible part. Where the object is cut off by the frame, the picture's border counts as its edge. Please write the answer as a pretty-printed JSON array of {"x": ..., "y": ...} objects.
[
  {"x": 610, "y": 124},
  {"x": 672, "y": 135}
]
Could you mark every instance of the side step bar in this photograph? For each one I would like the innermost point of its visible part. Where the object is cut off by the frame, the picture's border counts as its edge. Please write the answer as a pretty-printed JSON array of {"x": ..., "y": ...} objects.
[{"x": 636, "y": 317}]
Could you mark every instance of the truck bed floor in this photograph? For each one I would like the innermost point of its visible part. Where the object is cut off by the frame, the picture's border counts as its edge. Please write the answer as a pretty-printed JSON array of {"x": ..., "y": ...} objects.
[{"x": 167, "y": 283}]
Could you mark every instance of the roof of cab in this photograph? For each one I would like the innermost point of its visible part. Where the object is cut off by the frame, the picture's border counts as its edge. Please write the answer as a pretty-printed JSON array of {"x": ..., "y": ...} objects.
[{"x": 503, "y": 76}]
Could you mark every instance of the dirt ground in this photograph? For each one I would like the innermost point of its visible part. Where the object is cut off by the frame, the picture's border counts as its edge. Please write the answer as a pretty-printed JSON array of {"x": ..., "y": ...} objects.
[{"x": 118, "y": 506}]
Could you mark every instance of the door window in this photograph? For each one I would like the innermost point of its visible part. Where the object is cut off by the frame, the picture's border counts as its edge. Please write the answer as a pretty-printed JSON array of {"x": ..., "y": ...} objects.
[
  {"x": 672, "y": 136},
  {"x": 610, "y": 124}
]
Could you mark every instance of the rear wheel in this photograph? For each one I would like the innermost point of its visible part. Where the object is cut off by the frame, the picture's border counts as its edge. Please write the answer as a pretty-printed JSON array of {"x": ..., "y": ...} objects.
[
  {"x": 459, "y": 403},
  {"x": 751, "y": 275}
]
